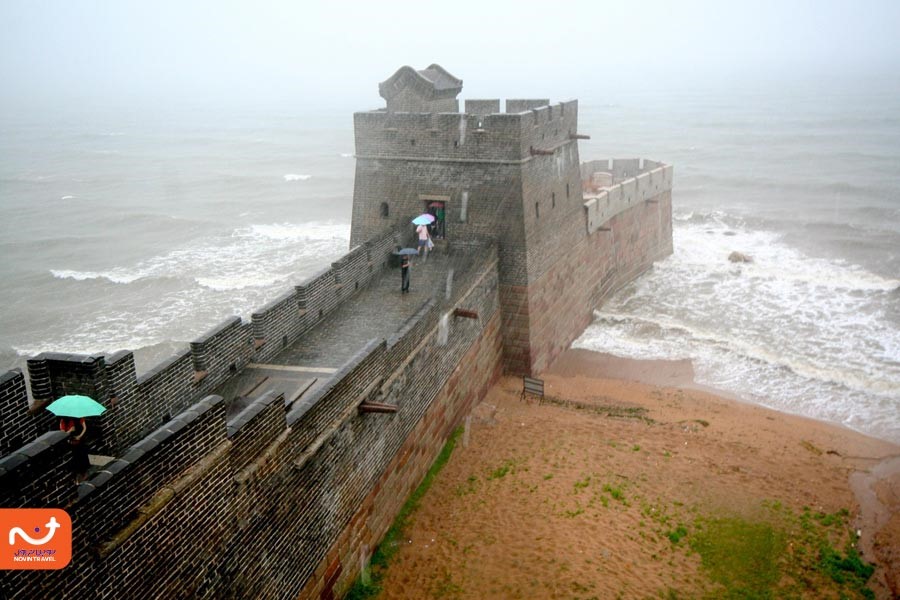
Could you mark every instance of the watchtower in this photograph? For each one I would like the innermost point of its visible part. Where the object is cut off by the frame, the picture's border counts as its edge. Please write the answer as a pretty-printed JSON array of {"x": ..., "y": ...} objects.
[{"x": 512, "y": 177}]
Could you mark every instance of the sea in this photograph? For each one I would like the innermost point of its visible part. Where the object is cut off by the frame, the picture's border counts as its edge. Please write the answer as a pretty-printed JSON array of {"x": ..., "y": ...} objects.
[{"x": 142, "y": 228}]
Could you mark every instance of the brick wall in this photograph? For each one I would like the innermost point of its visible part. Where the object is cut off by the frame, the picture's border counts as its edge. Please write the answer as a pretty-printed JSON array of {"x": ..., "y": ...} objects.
[
  {"x": 37, "y": 474},
  {"x": 434, "y": 390},
  {"x": 561, "y": 301},
  {"x": 16, "y": 424},
  {"x": 254, "y": 428},
  {"x": 109, "y": 500},
  {"x": 482, "y": 107},
  {"x": 136, "y": 405},
  {"x": 256, "y": 506},
  {"x": 518, "y": 174},
  {"x": 56, "y": 374},
  {"x": 403, "y": 156},
  {"x": 276, "y": 325},
  {"x": 221, "y": 352}
]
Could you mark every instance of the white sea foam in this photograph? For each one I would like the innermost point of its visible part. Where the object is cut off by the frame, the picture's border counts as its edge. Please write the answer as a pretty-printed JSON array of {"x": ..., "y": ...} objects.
[
  {"x": 257, "y": 255},
  {"x": 346, "y": 155},
  {"x": 237, "y": 282},
  {"x": 67, "y": 198},
  {"x": 800, "y": 333},
  {"x": 296, "y": 177},
  {"x": 314, "y": 230},
  {"x": 115, "y": 276}
]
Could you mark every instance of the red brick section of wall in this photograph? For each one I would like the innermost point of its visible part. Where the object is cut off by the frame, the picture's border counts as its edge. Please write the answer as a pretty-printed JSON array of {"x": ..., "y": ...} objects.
[
  {"x": 477, "y": 371},
  {"x": 516, "y": 328},
  {"x": 561, "y": 302}
]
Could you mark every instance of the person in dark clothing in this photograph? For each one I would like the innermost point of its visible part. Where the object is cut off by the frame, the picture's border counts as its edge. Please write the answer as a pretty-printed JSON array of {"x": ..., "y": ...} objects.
[
  {"x": 404, "y": 274},
  {"x": 439, "y": 222},
  {"x": 81, "y": 462}
]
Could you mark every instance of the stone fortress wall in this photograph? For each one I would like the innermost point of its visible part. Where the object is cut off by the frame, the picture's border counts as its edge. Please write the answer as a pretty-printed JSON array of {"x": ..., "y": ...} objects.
[
  {"x": 516, "y": 177},
  {"x": 259, "y": 503},
  {"x": 599, "y": 251},
  {"x": 287, "y": 497}
]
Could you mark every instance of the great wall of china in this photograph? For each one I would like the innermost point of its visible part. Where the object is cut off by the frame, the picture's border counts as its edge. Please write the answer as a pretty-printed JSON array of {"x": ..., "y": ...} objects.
[{"x": 270, "y": 459}]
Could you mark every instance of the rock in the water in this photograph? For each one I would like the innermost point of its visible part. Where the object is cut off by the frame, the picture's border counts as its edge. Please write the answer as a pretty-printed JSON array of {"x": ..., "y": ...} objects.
[{"x": 739, "y": 257}]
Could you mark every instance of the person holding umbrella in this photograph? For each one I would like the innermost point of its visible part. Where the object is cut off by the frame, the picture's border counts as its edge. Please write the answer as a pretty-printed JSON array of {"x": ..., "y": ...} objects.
[
  {"x": 69, "y": 409},
  {"x": 422, "y": 222},
  {"x": 405, "y": 253},
  {"x": 422, "y": 231},
  {"x": 404, "y": 274}
]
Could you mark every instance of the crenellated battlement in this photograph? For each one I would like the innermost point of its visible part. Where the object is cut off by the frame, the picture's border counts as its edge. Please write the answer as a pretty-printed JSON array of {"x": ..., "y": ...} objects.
[
  {"x": 137, "y": 404},
  {"x": 511, "y": 137},
  {"x": 617, "y": 185}
]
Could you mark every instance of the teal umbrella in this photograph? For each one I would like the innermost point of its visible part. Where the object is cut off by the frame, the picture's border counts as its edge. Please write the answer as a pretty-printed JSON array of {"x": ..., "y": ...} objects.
[{"x": 76, "y": 407}]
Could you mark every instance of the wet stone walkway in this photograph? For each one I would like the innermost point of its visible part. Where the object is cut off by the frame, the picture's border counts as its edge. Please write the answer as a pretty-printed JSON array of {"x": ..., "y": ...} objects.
[{"x": 375, "y": 312}]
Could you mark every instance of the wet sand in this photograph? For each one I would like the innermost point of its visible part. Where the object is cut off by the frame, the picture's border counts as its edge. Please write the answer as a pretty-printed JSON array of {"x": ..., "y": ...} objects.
[{"x": 573, "y": 498}]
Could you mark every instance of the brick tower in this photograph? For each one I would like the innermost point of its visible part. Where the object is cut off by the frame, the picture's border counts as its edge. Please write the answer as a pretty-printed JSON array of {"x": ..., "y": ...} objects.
[{"x": 511, "y": 177}]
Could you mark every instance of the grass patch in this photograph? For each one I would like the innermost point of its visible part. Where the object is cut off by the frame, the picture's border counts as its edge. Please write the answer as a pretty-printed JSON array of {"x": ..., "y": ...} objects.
[
  {"x": 849, "y": 569},
  {"x": 833, "y": 519},
  {"x": 580, "y": 485},
  {"x": 780, "y": 555},
  {"x": 469, "y": 487},
  {"x": 390, "y": 544},
  {"x": 501, "y": 471},
  {"x": 615, "y": 492},
  {"x": 740, "y": 555},
  {"x": 677, "y": 534}
]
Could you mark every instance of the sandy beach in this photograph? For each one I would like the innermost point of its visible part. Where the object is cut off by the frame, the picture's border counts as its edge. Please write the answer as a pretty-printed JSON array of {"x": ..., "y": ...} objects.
[{"x": 630, "y": 482}]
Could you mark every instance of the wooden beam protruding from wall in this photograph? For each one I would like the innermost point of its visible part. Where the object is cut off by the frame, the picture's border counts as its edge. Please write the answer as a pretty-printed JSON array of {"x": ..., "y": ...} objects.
[
  {"x": 466, "y": 314},
  {"x": 377, "y": 407}
]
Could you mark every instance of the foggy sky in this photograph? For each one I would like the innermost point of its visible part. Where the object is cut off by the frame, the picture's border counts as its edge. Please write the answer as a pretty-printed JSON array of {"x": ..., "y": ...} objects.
[{"x": 303, "y": 53}]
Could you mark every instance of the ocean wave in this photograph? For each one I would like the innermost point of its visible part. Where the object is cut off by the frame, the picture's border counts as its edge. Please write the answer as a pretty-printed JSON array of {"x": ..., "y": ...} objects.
[
  {"x": 824, "y": 274},
  {"x": 253, "y": 256},
  {"x": 312, "y": 230},
  {"x": 67, "y": 198},
  {"x": 346, "y": 155},
  {"x": 296, "y": 177},
  {"x": 799, "y": 333},
  {"x": 683, "y": 336},
  {"x": 705, "y": 240},
  {"x": 111, "y": 276},
  {"x": 236, "y": 282}
]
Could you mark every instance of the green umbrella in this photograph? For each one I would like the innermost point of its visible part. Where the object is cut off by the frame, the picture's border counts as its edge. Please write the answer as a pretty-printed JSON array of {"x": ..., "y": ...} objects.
[{"x": 76, "y": 407}]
